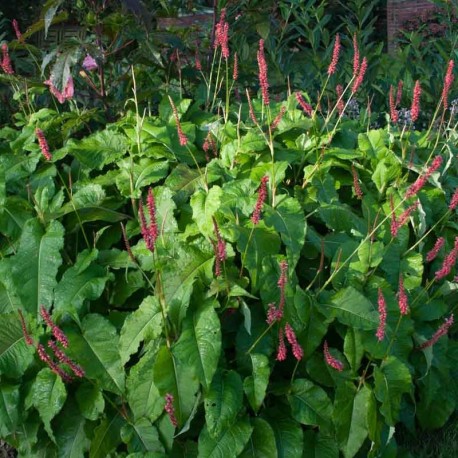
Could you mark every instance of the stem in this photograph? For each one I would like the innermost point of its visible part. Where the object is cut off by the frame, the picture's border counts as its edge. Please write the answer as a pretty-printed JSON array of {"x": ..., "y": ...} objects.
[{"x": 259, "y": 338}]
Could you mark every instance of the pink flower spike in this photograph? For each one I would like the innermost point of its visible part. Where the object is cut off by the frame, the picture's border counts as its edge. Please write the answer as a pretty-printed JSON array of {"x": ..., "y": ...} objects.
[
  {"x": 89, "y": 63},
  {"x": 281, "y": 352},
  {"x": 447, "y": 84},
  {"x": 306, "y": 107},
  {"x": 394, "y": 115},
  {"x": 330, "y": 360},
  {"x": 56, "y": 331},
  {"x": 402, "y": 298},
  {"x": 454, "y": 201},
  {"x": 448, "y": 263},
  {"x": 435, "y": 250},
  {"x": 282, "y": 283},
  {"x": 219, "y": 248},
  {"x": 359, "y": 79},
  {"x": 273, "y": 314},
  {"x": 170, "y": 409},
  {"x": 153, "y": 232},
  {"x": 358, "y": 191},
  {"x": 262, "y": 194},
  {"x": 335, "y": 56},
  {"x": 278, "y": 118},
  {"x": 355, "y": 56},
  {"x": 64, "y": 359},
  {"x": 235, "y": 71},
  {"x": 17, "y": 30},
  {"x": 28, "y": 339},
  {"x": 263, "y": 81},
  {"x": 380, "y": 334},
  {"x": 6, "y": 61},
  {"x": 291, "y": 336},
  {"x": 181, "y": 135},
  {"x": 251, "y": 110},
  {"x": 415, "y": 108},
  {"x": 222, "y": 35},
  {"x": 442, "y": 331}
]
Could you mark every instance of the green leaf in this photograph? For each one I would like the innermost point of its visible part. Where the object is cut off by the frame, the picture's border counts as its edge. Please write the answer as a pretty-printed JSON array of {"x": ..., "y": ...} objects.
[
  {"x": 48, "y": 397},
  {"x": 9, "y": 409},
  {"x": 223, "y": 402},
  {"x": 95, "y": 348},
  {"x": 231, "y": 442},
  {"x": 15, "y": 355},
  {"x": 199, "y": 345},
  {"x": 107, "y": 436},
  {"x": 90, "y": 400},
  {"x": 288, "y": 433},
  {"x": 255, "y": 385},
  {"x": 353, "y": 309},
  {"x": 254, "y": 245},
  {"x": 98, "y": 150},
  {"x": 35, "y": 266},
  {"x": 141, "y": 436},
  {"x": 204, "y": 206},
  {"x": 317, "y": 445},
  {"x": 142, "y": 395},
  {"x": 350, "y": 416},
  {"x": 144, "y": 323},
  {"x": 178, "y": 379},
  {"x": 353, "y": 348},
  {"x": 71, "y": 437},
  {"x": 373, "y": 142},
  {"x": 341, "y": 218},
  {"x": 392, "y": 380},
  {"x": 310, "y": 404},
  {"x": 262, "y": 441},
  {"x": 289, "y": 220}
]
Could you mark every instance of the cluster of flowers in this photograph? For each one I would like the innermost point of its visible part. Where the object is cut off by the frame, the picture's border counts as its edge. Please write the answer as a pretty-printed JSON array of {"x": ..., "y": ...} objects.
[
  {"x": 170, "y": 409},
  {"x": 59, "y": 354}
]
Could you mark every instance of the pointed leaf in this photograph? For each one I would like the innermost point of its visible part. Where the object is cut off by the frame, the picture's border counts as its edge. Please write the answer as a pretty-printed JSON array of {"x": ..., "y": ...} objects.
[
  {"x": 353, "y": 348},
  {"x": 223, "y": 402},
  {"x": 230, "y": 443},
  {"x": 310, "y": 404},
  {"x": 204, "y": 206},
  {"x": 317, "y": 445},
  {"x": 9, "y": 409},
  {"x": 107, "y": 436},
  {"x": 255, "y": 385},
  {"x": 199, "y": 345},
  {"x": 262, "y": 441},
  {"x": 144, "y": 323},
  {"x": 91, "y": 402},
  {"x": 141, "y": 436},
  {"x": 35, "y": 266},
  {"x": 95, "y": 348},
  {"x": 48, "y": 397}
]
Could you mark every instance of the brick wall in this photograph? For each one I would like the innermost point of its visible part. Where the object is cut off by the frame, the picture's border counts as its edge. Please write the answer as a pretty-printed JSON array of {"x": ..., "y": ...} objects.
[{"x": 398, "y": 11}]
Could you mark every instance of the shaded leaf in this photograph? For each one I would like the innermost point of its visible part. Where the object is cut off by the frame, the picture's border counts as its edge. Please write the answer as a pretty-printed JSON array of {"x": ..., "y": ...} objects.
[
  {"x": 141, "y": 436},
  {"x": 255, "y": 385},
  {"x": 262, "y": 441},
  {"x": 107, "y": 436}
]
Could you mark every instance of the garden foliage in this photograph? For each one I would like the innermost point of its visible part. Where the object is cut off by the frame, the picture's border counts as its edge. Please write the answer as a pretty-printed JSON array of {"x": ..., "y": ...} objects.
[{"x": 219, "y": 274}]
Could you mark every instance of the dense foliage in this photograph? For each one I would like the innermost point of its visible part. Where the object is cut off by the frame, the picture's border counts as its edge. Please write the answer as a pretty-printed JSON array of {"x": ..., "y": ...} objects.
[{"x": 198, "y": 260}]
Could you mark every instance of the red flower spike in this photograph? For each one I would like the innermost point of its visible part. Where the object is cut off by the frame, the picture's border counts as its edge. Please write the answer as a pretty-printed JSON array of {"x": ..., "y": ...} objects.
[
  {"x": 64, "y": 359},
  {"x": 421, "y": 180},
  {"x": 127, "y": 244},
  {"x": 144, "y": 228},
  {"x": 222, "y": 35},
  {"x": 415, "y": 108},
  {"x": 263, "y": 81},
  {"x": 335, "y": 56},
  {"x": 170, "y": 409},
  {"x": 394, "y": 115},
  {"x": 153, "y": 232},
  {"x": 28, "y": 339},
  {"x": 16, "y": 30},
  {"x": 43, "y": 144},
  {"x": 262, "y": 194},
  {"x": 355, "y": 56},
  {"x": 454, "y": 201},
  {"x": 197, "y": 62},
  {"x": 397, "y": 223},
  {"x": 6, "y": 61},
  {"x": 278, "y": 118},
  {"x": 282, "y": 283},
  {"x": 281, "y": 352},
  {"x": 448, "y": 80},
  {"x": 435, "y": 249},
  {"x": 330, "y": 360},
  {"x": 53, "y": 366},
  {"x": 307, "y": 108},
  {"x": 442, "y": 331},
  {"x": 296, "y": 348},
  {"x": 219, "y": 248},
  {"x": 340, "y": 100},
  {"x": 56, "y": 331},
  {"x": 235, "y": 71},
  {"x": 359, "y": 79},
  {"x": 181, "y": 135},
  {"x": 449, "y": 262},
  {"x": 380, "y": 334},
  {"x": 250, "y": 106},
  {"x": 358, "y": 191},
  {"x": 402, "y": 298},
  {"x": 273, "y": 314}
]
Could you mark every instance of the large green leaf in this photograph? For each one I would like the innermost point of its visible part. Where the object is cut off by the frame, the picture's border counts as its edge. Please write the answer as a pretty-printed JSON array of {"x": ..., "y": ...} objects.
[
  {"x": 262, "y": 441},
  {"x": 353, "y": 309},
  {"x": 353, "y": 348},
  {"x": 48, "y": 396},
  {"x": 71, "y": 437},
  {"x": 91, "y": 402},
  {"x": 141, "y": 436},
  {"x": 255, "y": 385},
  {"x": 317, "y": 445},
  {"x": 231, "y": 442},
  {"x": 142, "y": 395},
  {"x": 35, "y": 266},
  {"x": 223, "y": 402},
  {"x": 288, "y": 432},
  {"x": 350, "y": 416},
  {"x": 289, "y": 220},
  {"x": 9, "y": 409},
  {"x": 204, "y": 206},
  {"x": 144, "y": 323},
  {"x": 310, "y": 405},
  {"x": 171, "y": 376},
  {"x": 199, "y": 345},
  {"x": 15, "y": 355},
  {"x": 95, "y": 348},
  {"x": 392, "y": 380},
  {"x": 107, "y": 435}
]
